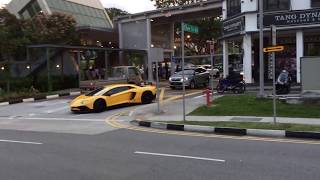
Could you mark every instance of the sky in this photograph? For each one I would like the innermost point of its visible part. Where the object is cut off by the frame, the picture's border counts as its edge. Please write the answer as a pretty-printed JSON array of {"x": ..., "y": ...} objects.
[{"x": 132, "y": 6}]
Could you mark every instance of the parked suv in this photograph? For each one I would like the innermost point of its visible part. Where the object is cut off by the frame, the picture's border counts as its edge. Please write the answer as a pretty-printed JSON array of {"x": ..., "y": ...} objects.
[{"x": 193, "y": 78}]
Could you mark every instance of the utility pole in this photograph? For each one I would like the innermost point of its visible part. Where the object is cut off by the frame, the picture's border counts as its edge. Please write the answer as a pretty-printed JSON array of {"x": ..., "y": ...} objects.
[
  {"x": 273, "y": 55},
  {"x": 261, "y": 54},
  {"x": 183, "y": 75},
  {"x": 211, "y": 44}
]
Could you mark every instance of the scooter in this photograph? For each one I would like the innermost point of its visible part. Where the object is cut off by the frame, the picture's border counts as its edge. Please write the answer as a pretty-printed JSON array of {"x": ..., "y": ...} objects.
[
  {"x": 283, "y": 85},
  {"x": 236, "y": 84}
]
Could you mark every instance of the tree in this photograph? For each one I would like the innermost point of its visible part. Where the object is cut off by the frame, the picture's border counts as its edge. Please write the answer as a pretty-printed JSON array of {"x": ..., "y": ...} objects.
[
  {"x": 57, "y": 28},
  {"x": 114, "y": 12},
  {"x": 210, "y": 27},
  {"x": 13, "y": 39},
  {"x": 171, "y": 3}
]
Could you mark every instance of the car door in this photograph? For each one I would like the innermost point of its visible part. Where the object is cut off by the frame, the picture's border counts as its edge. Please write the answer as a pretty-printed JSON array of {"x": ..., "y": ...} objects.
[
  {"x": 118, "y": 95},
  {"x": 198, "y": 76},
  {"x": 203, "y": 75}
]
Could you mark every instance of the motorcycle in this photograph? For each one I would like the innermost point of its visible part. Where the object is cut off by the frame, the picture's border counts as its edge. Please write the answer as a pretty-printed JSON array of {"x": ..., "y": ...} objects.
[
  {"x": 283, "y": 84},
  {"x": 234, "y": 83}
]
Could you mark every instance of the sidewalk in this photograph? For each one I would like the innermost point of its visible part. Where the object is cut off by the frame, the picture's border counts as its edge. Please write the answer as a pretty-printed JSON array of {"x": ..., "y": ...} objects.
[{"x": 172, "y": 111}]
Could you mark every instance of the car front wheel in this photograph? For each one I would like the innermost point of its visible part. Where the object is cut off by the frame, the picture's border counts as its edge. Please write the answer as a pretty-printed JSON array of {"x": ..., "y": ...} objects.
[
  {"x": 192, "y": 85},
  {"x": 99, "y": 105},
  {"x": 147, "y": 97}
]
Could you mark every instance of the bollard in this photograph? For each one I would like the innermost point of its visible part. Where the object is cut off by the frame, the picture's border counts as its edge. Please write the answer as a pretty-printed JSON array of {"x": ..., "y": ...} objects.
[{"x": 208, "y": 95}]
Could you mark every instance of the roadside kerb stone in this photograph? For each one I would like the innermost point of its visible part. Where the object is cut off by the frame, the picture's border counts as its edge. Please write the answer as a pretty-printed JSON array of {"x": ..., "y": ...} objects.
[
  {"x": 55, "y": 96},
  {"x": 266, "y": 133},
  {"x": 195, "y": 128},
  {"x": 228, "y": 131},
  {"x": 158, "y": 125}
]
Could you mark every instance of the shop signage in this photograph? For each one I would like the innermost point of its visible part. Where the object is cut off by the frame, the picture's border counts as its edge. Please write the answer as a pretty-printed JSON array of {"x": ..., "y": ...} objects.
[
  {"x": 273, "y": 49},
  {"x": 292, "y": 18},
  {"x": 234, "y": 26}
]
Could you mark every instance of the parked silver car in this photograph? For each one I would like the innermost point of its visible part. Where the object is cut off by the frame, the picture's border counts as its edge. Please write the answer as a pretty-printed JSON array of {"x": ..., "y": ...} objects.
[{"x": 193, "y": 78}]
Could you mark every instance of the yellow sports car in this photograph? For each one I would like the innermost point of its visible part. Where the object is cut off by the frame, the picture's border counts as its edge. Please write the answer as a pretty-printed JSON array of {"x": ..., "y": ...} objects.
[{"x": 111, "y": 95}]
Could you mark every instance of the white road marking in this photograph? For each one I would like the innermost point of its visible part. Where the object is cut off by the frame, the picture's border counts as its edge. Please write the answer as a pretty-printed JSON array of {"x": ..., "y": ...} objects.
[
  {"x": 180, "y": 156},
  {"x": 20, "y": 142},
  {"x": 198, "y": 97},
  {"x": 63, "y": 119},
  {"x": 50, "y": 103},
  {"x": 54, "y": 119},
  {"x": 131, "y": 113},
  {"x": 57, "y": 109}
]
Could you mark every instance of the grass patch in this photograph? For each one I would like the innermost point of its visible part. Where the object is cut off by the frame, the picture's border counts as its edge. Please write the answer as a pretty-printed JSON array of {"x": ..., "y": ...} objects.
[
  {"x": 249, "y": 105},
  {"x": 254, "y": 125}
]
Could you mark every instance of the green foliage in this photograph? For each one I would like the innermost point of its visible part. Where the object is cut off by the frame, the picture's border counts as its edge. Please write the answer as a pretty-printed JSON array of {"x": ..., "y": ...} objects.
[
  {"x": 209, "y": 29},
  {"x": 171, "y": 3},
  {"x": 114, "y": 12},
  {"x": 13, "y": 39},
  {"x": 248, "y": 105},
  {"x": 16, "y": 34},
  {"x": 57, "y": 28}
]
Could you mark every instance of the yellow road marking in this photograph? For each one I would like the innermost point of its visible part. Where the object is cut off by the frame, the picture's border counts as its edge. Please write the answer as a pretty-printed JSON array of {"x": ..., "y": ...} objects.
[
  {"x": 161, "y": 95},
  {"x": 180, "y": 96},
  {"x": 112, "y": 121}
]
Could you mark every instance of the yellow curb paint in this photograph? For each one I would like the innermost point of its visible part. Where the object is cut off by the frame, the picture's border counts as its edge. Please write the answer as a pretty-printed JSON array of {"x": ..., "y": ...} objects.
[
  {"x": 161, "y": 95},
  {"x": 112, "y": 121}
]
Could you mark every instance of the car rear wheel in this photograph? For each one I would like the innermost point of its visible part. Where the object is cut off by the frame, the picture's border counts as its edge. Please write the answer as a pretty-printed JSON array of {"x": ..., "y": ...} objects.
[
  {"x": 192, "y": 85},
  {"x": 147, "y": 97},
  {"x": 99, "y": 105},
  {"x": 220, "y": 89}
]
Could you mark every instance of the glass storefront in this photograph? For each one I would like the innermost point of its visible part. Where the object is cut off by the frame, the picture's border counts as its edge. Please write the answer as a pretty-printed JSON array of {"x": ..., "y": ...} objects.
[{"x": 312, "y": 43}]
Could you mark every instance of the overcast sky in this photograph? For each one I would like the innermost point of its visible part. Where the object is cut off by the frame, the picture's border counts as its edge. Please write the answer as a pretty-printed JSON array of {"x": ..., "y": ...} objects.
[{"x": 132, "y": 6}]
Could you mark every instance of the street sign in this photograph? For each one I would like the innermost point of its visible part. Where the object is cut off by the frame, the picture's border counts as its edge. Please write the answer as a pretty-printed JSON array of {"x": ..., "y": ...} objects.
[
  {"x": 191, "y": 28},
  {"x": 273, "y": 49}
]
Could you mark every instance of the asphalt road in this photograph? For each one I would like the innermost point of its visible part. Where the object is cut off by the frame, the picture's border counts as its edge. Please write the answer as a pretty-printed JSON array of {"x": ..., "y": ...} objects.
[
  {"x": 113, "y": 155},
  {"x": 43, "y": 140}
]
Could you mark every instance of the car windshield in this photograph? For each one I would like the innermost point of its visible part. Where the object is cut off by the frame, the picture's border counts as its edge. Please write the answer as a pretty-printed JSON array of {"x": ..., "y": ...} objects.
[
  {"x": 186, "y": 72},
  {"x": 94, "y": 92}
]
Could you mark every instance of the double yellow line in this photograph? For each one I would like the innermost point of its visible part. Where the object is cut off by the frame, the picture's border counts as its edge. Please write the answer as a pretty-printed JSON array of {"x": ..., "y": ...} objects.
[{"x": 112, "y": 120}]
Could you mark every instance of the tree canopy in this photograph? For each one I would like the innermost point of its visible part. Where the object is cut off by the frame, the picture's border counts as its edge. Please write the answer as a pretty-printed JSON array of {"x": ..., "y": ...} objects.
[
  {"x": 114, "y": 12},
  {"x": 12, "y": 36},
  {"x": 209, "y": 28},
  {"x": 16, "y": 34},
  {"x": 57, "y": 28}
]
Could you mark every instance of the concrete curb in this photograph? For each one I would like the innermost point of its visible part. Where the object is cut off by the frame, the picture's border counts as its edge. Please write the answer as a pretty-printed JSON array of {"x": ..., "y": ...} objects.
[
  {"x": 227, "y": 131},
  {"x": 55, "y": 96}
]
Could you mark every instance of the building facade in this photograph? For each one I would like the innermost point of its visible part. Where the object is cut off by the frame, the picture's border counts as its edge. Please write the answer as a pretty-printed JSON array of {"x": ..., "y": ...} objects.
[
  {"x": 92, "y": 20},
  {"x": 298, "y": 29}
]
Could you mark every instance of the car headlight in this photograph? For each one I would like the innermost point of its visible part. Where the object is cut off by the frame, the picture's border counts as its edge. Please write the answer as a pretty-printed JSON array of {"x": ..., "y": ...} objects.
[
  {"x": 170, "y": 79},
  {"x": 185, "y": 79}
]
